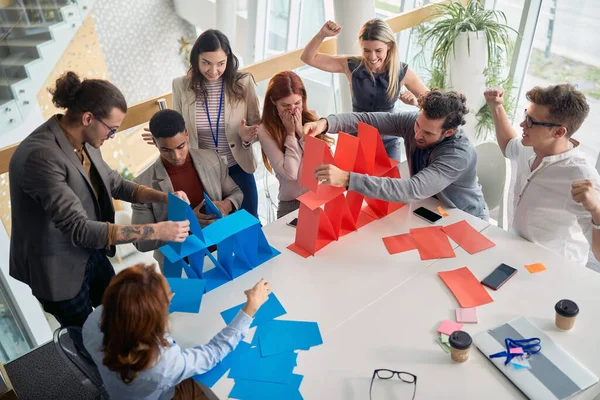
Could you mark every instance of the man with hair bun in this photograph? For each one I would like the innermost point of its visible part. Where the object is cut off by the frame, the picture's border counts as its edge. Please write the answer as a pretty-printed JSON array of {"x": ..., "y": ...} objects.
[
  {"x": 441, "y": 159},
  {"x": 61, "y": 194}
]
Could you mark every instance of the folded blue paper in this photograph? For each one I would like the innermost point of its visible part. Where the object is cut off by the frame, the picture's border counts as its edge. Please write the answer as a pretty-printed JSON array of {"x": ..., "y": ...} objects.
[
  {"x": 211, "y": 208},
  {"x": 253, "y": 367},
  {"x": 254, "y": 390},
  {"x": 281, "y": 336},
  {"x": 188, "y": 294},
  {"x": 230, "y": 361},
  {"x": 268, "y": 311}
]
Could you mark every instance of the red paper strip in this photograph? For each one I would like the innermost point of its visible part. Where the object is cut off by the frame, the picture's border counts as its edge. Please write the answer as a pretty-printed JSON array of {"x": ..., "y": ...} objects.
[
  {"x": 468, "y": 237},
  {"x": 432, "y": 243},
  {"x": 465, "y": 287},
  {"x": 399, "y": 243}
]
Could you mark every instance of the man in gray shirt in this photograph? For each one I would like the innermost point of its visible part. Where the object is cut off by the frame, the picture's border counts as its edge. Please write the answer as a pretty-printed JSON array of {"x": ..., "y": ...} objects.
[{"x": 441, "y": 160}]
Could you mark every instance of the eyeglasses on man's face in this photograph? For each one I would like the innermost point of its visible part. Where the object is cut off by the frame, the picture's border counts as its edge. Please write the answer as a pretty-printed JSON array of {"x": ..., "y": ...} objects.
[
  {"x": 112, "y": 130},
  {"x": 406, "y": 377},
  {"x": 530, "y": 123}
]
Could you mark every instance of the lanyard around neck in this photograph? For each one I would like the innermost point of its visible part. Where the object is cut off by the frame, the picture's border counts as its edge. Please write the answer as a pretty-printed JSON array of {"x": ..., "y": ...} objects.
[{"x": 214, "y": 135}]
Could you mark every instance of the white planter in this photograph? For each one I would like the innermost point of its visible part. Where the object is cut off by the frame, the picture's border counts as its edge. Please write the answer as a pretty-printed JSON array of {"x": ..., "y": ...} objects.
[{"x": 465, "y": 72}]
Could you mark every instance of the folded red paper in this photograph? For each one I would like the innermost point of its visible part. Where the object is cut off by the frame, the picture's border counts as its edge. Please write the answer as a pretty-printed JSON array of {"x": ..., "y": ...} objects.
[
  {"x": 465, "y": 287},
  {"x": 432, "y": 243},
  {"x": 468, "y": 237}
]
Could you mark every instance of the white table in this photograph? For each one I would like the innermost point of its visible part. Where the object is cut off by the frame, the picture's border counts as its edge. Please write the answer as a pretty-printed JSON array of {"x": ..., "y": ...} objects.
[{"x": 363, "y": 300}]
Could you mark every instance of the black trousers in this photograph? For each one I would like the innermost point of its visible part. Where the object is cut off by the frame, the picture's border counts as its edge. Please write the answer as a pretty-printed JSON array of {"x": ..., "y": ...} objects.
[{"x": 73, "y": 312}]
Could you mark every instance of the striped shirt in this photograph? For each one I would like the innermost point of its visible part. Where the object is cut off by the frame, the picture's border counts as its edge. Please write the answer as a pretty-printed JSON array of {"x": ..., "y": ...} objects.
[{"x": 205, "y": 136}]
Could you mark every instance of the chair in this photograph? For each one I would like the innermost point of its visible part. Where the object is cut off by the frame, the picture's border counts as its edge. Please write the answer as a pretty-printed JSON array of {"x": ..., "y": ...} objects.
[
  {"x": 493, "y": 172},
  {"x": 64, "y": 340}
]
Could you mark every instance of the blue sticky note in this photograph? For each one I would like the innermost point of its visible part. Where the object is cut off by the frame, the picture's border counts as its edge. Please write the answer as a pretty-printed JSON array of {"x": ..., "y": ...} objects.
[
  {"x": 188, "y": 294},
  {"x": 253, "y": 367},
  {"x": 268, "y": 311},
  {"x": 211, "y": 208},
  {"x": 211, "y": 377},
  {"x": 254, "y": 390},
  {"x": 280, "y": 336}
]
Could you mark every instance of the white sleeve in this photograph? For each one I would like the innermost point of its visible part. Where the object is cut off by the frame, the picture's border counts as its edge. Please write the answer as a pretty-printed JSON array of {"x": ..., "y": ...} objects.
[{"x": 514, "y": 148}]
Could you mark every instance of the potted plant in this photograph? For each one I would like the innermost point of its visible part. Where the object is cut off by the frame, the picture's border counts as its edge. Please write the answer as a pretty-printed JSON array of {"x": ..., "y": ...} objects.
[{"x": 470, "y": 48}]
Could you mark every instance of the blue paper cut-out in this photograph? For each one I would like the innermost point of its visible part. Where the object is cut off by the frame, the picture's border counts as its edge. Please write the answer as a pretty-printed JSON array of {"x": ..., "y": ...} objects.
[
  {"x": 211, "y": 208},
  {"x": 281, "y": 336},
  {"x": 268, "y": 311},
  {"x": 241, "y": 246},
  {"x": 255, "y": 390},
  {"x": 211, "y": 377},
  {"x": 188, "y": 295},
  {"x": 252, "y": 366},
  {"x": 172, "y": 269}
]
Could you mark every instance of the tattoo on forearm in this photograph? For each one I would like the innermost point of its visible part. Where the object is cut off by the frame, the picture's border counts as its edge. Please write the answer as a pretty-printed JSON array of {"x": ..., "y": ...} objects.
[{"x": 134, "y": 233}]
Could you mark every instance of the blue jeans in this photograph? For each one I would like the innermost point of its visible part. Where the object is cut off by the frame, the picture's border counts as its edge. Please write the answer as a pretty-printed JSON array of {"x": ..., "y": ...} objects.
[
  {"x": 393, "y": 147},
  {"x": 247, "y": 184}
]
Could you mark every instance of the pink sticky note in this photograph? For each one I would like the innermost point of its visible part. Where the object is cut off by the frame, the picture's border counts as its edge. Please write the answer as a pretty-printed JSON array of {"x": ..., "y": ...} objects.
[
  {"x": 448, "y": 327},
  {"x": 516, "y": 350},
  {"x": 466, "y": 315}
]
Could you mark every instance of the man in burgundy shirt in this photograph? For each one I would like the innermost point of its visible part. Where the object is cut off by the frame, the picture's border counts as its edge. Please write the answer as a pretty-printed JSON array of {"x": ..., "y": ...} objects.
[{"x": 194, "y": 171}]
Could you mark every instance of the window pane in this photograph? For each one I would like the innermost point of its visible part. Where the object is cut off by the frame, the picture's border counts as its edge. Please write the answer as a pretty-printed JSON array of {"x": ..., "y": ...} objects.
[
  {"x": 566, "y": 49},
  {"x": 279, "y": 13},
  {"x": 12, "y": 339}
]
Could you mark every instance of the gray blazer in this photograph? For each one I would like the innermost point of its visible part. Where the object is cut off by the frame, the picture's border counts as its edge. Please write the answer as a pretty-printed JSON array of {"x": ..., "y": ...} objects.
[
  {"x": 215, "y": 179},
  {"x": 57, "y": 220}
]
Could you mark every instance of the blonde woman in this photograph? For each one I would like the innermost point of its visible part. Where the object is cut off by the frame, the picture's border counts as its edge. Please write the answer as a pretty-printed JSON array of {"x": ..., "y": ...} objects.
[{"x": 375, "y": 77}]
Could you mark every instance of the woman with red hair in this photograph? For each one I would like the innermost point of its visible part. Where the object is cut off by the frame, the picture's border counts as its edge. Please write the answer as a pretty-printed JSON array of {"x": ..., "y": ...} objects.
[
  {"x": 128, "y": 339},
  {"x": 280, "y": 134}
]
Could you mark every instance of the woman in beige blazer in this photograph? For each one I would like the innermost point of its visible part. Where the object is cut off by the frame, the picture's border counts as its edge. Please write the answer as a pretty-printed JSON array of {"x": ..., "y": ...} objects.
[{"x": 220, "y": 109}]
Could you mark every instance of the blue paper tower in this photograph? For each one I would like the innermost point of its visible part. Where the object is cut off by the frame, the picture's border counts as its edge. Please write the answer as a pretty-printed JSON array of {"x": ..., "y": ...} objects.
[{"x": 241, "y": 246}]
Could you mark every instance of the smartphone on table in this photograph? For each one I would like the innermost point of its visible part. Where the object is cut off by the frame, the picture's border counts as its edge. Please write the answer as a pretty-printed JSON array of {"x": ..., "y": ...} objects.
[
  {"x": 293, "y": 223},
  {"x": 499, "y": 276},
  {"x": 427, "y": 215}
]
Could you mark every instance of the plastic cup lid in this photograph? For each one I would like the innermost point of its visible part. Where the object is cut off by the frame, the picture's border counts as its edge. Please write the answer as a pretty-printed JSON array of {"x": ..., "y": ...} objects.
[
  {"x": 566, "y": 308},
  {"x": 460, "y": 340}
]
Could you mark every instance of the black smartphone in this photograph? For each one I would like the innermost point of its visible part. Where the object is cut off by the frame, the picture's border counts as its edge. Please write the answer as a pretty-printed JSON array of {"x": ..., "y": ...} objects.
[
  {"x": 293, "y": 222},
  {"x": 427, "y": 215},
  {"x": 499, "y": 276}
]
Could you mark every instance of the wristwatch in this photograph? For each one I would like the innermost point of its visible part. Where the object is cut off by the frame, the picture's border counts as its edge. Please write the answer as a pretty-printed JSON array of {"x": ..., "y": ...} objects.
[{"x": 594, "y": 225}]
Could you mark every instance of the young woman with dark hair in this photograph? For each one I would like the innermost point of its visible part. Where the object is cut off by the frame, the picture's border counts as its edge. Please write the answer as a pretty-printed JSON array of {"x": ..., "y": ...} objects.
[
  {"x": 220, "y": 108},
  {"x": 284, "y": 113},
  {"x": 128, "y": 339}
]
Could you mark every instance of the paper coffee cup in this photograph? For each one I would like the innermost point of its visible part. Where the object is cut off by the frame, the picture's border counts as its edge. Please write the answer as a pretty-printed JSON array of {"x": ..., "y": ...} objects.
[
  {"x": 460, "y": 344},
  {"x": 566, "y": 313}
]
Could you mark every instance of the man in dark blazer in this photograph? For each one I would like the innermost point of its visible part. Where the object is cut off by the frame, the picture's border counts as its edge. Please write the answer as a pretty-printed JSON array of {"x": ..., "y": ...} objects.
[{"x": 61, "y": 194}]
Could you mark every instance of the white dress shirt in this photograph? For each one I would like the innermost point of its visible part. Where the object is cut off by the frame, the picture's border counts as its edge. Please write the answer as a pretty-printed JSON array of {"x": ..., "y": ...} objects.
[
  {"x": 545, "y": 212},
  {"x": 173, "y": 366}
]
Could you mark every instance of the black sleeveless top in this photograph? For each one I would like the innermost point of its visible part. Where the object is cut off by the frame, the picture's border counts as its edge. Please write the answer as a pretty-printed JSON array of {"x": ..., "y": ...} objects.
[{"x": 370, "y": 95}]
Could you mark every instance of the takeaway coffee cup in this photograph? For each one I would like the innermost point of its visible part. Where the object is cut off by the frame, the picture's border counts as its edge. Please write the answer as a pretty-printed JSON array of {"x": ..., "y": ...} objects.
[
  {"x": 460, "y": 344},
  {"x": 566, "y": 313}
]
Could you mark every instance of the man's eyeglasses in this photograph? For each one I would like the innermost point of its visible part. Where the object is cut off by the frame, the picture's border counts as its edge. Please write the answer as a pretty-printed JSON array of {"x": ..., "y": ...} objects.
[
  {"x": 111, "y": 130},
  {"x": 529, "y": 122},
  {"x": 388, "y": 374}
]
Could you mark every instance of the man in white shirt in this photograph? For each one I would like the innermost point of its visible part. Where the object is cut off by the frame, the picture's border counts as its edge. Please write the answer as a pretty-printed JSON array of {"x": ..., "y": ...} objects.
[{"x": 552, "y": 206}]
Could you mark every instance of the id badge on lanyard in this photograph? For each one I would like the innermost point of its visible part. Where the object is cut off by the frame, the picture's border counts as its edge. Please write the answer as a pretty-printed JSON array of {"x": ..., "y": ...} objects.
[{"x": 215, "y": 136}]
